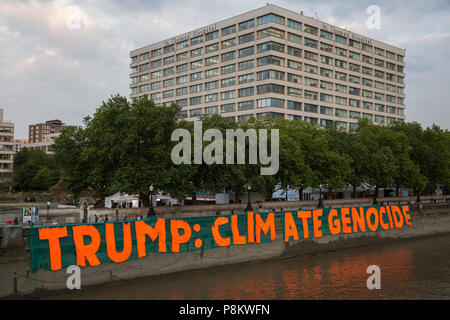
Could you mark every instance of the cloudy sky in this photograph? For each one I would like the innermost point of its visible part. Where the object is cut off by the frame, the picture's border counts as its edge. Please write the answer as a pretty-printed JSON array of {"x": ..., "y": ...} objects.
[{"x": 53, "y": 68}]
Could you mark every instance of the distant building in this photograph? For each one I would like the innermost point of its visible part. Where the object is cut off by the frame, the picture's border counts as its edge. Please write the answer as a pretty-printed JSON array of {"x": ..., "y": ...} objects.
[
  {"x": 44, "y": 145},
  {"x": 37, "y": 132},
  {"x": 6, "y": 147},
  {"x": 18, "y": 144}
]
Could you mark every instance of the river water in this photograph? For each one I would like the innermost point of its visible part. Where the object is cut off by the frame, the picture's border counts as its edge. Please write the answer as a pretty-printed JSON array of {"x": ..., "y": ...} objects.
[{"x": 410, "y": 269}]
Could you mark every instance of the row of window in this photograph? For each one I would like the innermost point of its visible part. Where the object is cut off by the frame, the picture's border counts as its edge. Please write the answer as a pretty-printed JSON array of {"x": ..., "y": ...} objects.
[{"x": 274, "y": 32}]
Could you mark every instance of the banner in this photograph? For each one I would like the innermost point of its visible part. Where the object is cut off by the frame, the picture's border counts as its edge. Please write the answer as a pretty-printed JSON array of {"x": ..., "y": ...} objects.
[
  {"x": 27, "y": 215},
  {"x": 57, "y": 247}
]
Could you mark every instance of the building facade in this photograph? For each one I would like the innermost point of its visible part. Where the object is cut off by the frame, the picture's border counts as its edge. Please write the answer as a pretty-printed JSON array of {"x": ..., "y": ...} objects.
[
  {"x": 6, "y": 148},
  {"x": 273, "y": 62},
  {"x": 19, "y": 144},
  {"x": 44, "y": 145},
  {"x": 38, "y": 132}
]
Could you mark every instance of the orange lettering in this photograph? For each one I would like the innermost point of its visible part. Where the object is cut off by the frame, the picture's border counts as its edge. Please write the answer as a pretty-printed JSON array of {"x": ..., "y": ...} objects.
[
  {"x": 334, "y": 225},
  {"x": 345, "y": 217},
  {"x": 358, "y": 220},
  {"x": 265, "y": 226},
  {"x": 405, "y": 210},
  {"x": 250, "y": 227},
  {"x": 304, "y": 215},
  {"x": 237, "y": 239},
  {"x": 86, "y": 251},
  {"x": 53, "y": 235},
  {"x": 372, "y": 211},
  {"x": 388, "y": 209},
  {"x": 317, "y": 223},
  {"x": 178, "y": 239},
  {"x": 111, "y": 242},
  {"x": 221, "y": 242},
  {"x": 290, "y": 229},
  {"x": 398, "y": 217},
  {"x": 143, "y": 230},
  {"x": 385, "y": 226}
]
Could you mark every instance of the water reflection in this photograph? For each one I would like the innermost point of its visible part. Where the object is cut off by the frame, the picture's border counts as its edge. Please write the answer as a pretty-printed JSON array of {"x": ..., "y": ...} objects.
[{"x": 409, "y": 269}]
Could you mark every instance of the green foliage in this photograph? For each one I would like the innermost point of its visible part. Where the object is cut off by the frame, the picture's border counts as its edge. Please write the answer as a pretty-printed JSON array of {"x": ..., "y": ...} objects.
[{"x": 126, "y": 146}]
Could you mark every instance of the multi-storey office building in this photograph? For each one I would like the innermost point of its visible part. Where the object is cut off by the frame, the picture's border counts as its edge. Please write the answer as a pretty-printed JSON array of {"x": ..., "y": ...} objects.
[
  {"x": 38, "y": 132},
  {"x": 6, "y": 148},
  {"x": 273, "y": 62}
]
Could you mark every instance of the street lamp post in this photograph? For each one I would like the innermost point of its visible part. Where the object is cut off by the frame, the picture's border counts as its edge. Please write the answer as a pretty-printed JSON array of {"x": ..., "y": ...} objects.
[
  {"x": 48, "y": 210},
  {"x": 249, "y": 204},
  {"x": 375, "y": 202},
  {"x": 151, "y": 211},
  {"x": 320, "y": 205}
]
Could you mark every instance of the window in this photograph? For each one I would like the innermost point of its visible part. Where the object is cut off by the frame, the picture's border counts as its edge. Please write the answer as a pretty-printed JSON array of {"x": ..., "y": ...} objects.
[
  {"x": 228, "y": 69},
  {"x": 183, "y": 44},
  {"x": 182, "y": 56},
  {"x": 340, "y": 76},
  {"x": 271, "y": 18},
  {"x": 294, "y": 51},
  {"x": 326, "y": 98},
  {"x": 379, "y": 51},
  {"x": 379, "y": 63},
  {"x": 211, "y": 48},
  {"x": 244, "y": 118},
  {"x": 196, "y": 40},
  {"x": 196, "y": 100},
  {"x": 135, "y": 80},
  {"x": 367, "y": 94},
  {"x": 246, "y": 38},
  {"x": 212, "y": 72},
  {"x": 196, "y": 88},
  {"x": 144, "y": 67},
  {"x": 212, "y": 35},
  {"x": 367, "y": 48},
  {"x": 170, "y": 48},
  {"x": 310, "y": 43},
  {"x": 156, "y": 85},
  {"x": 340, "y": 113},
  {"x": 182, "y": 67},
  {"x": 134, "y": 69},
  {"x": 367, "y": 105},
  {"x": 340, "y": 63},
  {"x": 354, "y": 103},
  {"x": 156, "y": 52},
  {"x": 379, "y": 107},
  {"x": 156, "y": 64},
  {"x": 182, "y": 79},
  {"x": 326, "y": 73},
  {"x": 228, "y": 82},
  {"x": 294, "y": 64},
  {"x": 311, "y": 82},
  {"x": 326, "y": 34},
  {"x": 270, "y": 32},
  {"x": 326, "y": 85},
  {"x": 307, "y": 107},
  {"x": 340, "y": 88},
  {"x": 379, "y": 74},
  {"x": 246, "y": 51},
  {"x": 340, "y": 51},
  {"x": 270, "y": 60},
  {"x": 196, "y": 52},
  {"x": 354, "y": 44},
  {"x": 270, "y": 46},
  {"x": 211, "y": 85},
  {"x": 379, "y": 119},
  {"x": 246, "y": 24},
  {"x": 246, "y": 92},
  {"x": 340, "y": 100},
  {"x": 230, "y": 107},
  {"x": 144, "y": 88},
  {"x": 227, "y": 95},
  {"x": 245, "y": 65},
  {"x": 168, "y": 82},
  {"x": 326, "y": 60},
  {"x": 310, "y": 95},
  {"x": 311, "y": 30},
  {"x": 246, "y": 105},
  {"x": 228, "y": 43},
  {"x": 366, "y": 82},
  {"x": 390, "y": 109},
  {"x": 311, "y": 56},
  {"x": 228, "y": 30},
  {"x": 294, "y": 38},
  {"x": 197, "y": 64},
  {"x": 354, "y": 91},
  {"x": 367, "y": 71},
  {"x": 212, "y": 110},
  {"x": 294, "y": 24},
  {"x": 145, "y": 77},
  {"x": 212, "y": 60},
  {"x": 156, "y": 74},
  {"x": 270, "y": 74},
  {"x": 294, "y": 78},
  {"x": 294, "y": 105},
  {"x": 168, "y": 94},
  {"x": 182, "y": 91},
  {"x": 156, "y": 96},
  {"x": 182, "y": 102},
  {"x": 195, "y": 112},
  {"x": 340, "y": 39},
  {"x": 294, "y": 92},
  {"x": 354, "y": 79},
  {"x": 212, "y": 98},
  {"x": 270, "y": 102},
  {"x": 270, "y": 88},
  {"x": 310, "y": 120},
  {"x": 326, "y": 47},
  {"x": 310, "y": 68},
  {"x": 354, "y": 55},
  {"x": 326, "y": 110},
  {"x": 196, "y": 76},
  {"x": 246, "y": 78},
  {"x": 134, "y": 59}
]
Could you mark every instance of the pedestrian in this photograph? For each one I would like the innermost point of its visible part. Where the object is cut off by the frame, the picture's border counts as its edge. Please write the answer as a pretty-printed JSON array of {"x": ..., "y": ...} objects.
[
  {"x": 100, "y": 219},
  {"x": 95, "y": 218},
  {"x": 16, "y": 221},
  {"x": 106, "y": 218}
]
